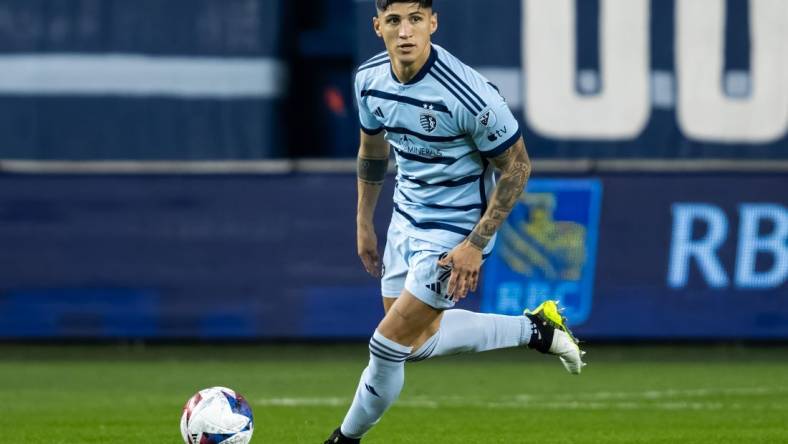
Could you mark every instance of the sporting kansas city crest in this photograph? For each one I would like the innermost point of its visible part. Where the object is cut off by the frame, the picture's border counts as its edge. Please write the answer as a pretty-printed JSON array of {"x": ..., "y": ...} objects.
[
  {"x": 428, "y": 121},
  {"x": 546, "y": 249}
]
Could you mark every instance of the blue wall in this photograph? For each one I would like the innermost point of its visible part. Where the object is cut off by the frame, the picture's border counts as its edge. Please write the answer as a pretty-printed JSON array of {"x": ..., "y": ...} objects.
[
  {"x": 253, "y": 256},
  {"x": 636, "y": 295},
  {"x": 274, "y": 256},
  {"x": 75, "y": 125}
]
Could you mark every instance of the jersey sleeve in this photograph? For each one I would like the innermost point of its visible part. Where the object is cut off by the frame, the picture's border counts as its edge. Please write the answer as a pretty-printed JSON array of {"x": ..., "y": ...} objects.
[
  {"x": 369, "y": 124},
  {"x": 494, "y": 129}
]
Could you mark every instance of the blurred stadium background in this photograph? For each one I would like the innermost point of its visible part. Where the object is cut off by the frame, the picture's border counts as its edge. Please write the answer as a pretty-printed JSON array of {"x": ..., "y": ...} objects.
[{"x": 182, "y": 171}]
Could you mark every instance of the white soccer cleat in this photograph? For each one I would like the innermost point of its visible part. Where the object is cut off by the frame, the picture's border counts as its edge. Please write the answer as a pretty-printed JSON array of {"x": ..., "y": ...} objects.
[
  {"x": 567, "y": 351},
  {"x": 551, "y": 335}
]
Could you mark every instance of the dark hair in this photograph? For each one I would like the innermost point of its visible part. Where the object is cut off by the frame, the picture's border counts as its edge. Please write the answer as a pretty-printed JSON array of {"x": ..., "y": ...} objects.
[{"x": 382, "y": 5}]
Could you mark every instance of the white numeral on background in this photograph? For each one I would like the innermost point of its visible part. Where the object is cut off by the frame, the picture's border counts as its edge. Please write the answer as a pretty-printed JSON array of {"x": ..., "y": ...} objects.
[
  {"x": 554, "y": 108},
  {"x": 704, "y": 111}
]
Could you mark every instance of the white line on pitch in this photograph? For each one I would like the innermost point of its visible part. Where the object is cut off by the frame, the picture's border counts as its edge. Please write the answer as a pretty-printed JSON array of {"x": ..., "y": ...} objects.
[{"x": 579, "y": 401}]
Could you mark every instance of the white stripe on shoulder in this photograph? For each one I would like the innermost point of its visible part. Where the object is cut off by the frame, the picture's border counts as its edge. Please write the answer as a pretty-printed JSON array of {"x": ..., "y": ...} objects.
[
  {"x": 379, "y": 58},
  {"x": 379, "y": 55}
]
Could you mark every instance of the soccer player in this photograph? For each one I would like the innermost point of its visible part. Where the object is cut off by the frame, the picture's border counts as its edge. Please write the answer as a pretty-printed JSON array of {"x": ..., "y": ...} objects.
[{"x": 449, "y": 128}]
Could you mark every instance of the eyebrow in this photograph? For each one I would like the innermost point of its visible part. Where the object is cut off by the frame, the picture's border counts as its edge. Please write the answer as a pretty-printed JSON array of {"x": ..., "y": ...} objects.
[{"x": 410, "y": 14}]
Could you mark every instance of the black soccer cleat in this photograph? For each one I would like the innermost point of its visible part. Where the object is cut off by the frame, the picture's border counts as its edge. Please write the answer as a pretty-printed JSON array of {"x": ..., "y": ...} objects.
[{"x": 338, "y": 438}]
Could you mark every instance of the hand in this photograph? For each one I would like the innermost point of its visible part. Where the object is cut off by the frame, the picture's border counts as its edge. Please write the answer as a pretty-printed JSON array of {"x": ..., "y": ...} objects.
[
  {"x": 465, "y": 261},
  {"x": 367, "y": 244}
]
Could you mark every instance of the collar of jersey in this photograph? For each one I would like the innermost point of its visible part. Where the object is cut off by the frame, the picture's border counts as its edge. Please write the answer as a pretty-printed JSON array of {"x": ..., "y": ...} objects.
[{"x": 422, "y": 72}]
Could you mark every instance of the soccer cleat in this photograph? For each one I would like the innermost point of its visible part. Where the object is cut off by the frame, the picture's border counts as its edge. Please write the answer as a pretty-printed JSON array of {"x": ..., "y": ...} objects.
[
  {"x": 550, "y": 334},
  {"x": 338, "y": 438}
]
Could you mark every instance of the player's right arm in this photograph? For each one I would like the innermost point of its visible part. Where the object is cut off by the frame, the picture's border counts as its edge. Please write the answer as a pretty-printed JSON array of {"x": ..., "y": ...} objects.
[{"x": 373, "y": 159}]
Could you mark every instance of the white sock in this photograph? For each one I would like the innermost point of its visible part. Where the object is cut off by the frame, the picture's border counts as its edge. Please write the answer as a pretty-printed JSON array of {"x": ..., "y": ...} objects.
[
  {"x": 463, "y": 331},
  {"x": 379, "y": 387}
]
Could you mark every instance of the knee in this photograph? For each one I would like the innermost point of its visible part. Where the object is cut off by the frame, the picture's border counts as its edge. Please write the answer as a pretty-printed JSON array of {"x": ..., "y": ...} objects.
[
  {"x": 396, "y": 327},
  {"x": 386, "y": 350},
  {"x": 402, "y": 329}
]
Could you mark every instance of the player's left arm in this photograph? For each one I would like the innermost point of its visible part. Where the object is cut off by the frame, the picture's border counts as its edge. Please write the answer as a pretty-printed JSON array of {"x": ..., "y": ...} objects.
[
  {"x": 515, "y": 168},
  {"x": 496, "y": 134}
]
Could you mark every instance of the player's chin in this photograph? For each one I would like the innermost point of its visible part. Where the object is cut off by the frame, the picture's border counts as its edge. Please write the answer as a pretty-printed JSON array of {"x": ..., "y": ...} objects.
[{"x": 407, "y": 55}]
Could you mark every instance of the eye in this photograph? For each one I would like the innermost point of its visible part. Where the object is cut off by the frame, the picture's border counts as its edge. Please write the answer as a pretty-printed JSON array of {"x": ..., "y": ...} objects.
[
  {"x": 416, "y": 19},
  {"x": 393, "y": 20}
]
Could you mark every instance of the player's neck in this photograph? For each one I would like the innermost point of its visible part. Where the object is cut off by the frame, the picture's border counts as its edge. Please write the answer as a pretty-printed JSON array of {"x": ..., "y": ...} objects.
[{"x": 405, "y": 72}]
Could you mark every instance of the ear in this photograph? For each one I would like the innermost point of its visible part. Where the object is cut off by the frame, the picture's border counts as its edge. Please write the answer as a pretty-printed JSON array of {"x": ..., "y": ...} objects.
[
  {"x": 433, "y": 23},
  {"x": 376, "y": 26}
]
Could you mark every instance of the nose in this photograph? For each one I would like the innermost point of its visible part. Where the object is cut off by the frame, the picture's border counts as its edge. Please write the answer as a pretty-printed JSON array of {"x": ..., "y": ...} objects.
[{"x": 405, "y": 30}]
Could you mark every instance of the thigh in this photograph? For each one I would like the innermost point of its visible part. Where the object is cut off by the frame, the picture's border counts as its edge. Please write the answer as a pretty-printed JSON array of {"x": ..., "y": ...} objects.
[
  {"x": 387, "y": 303},
  {"x": 408, "y": 320},
  {"x": 426, "y": 334}
]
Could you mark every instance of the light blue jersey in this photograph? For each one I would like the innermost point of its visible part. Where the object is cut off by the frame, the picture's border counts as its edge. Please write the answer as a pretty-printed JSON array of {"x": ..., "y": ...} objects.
[{"x": 443, "y": 125}]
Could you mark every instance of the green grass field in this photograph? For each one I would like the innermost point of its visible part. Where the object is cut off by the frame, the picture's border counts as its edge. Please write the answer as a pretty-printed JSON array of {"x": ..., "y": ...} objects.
[{"x": 653, "y": 394}]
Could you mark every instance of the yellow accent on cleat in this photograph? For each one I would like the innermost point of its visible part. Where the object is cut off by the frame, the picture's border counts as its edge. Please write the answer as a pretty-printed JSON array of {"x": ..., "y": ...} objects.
[{"x": 548, "y": 311}]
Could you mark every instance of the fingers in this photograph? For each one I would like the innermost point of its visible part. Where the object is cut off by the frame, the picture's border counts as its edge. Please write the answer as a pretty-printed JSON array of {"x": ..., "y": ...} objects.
[
  {"x": 464, "y": 262},
  {"x": 456, "y": 283},
  {"x": 462, "y": 287},
  {"x": 371, "y": 262},
  {"x": 375, "y": 260},
  {"x": 461, "y": 282},
  {"x": 474, "y": 280},
  {"x": 452, "y": 284}
]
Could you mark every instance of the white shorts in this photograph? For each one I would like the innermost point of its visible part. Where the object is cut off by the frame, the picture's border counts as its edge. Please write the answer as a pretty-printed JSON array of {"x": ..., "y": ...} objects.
[{"x": 412, "y": 264}]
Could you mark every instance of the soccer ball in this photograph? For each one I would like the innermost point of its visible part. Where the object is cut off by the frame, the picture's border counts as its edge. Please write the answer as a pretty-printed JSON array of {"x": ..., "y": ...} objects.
[{"x": 217, "y": 415}]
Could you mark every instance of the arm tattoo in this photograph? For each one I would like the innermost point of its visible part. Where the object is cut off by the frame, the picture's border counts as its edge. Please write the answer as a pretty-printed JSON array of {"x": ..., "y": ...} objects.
[
  {"x": 477, "y": 240},
  {"x": 515, "y": 170},
  {"x": 372, "y": 171}
]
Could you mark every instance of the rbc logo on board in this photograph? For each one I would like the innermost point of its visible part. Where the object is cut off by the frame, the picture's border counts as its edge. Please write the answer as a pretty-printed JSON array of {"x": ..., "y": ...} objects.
[
  {"x": 546, "y": 250},
  {"x": 761, "y": 240}
]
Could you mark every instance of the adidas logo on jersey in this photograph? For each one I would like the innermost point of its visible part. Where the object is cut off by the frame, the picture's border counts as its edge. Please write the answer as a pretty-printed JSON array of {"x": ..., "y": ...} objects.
[
  {"x": 437, "y": 286},
  {"x": 378, "y": 112}
]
